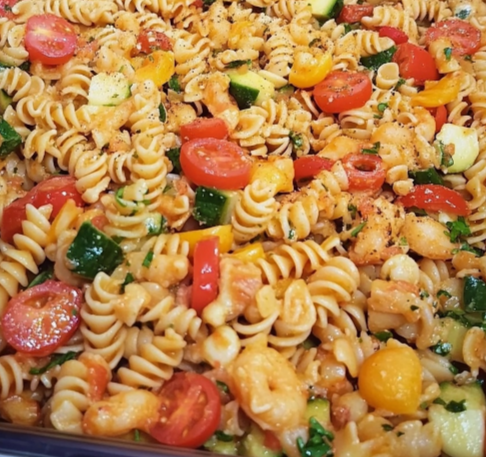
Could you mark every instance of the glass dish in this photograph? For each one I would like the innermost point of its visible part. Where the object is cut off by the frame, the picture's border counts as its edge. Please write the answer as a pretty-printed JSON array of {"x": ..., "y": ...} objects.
[{"x": 18, "y": 441}]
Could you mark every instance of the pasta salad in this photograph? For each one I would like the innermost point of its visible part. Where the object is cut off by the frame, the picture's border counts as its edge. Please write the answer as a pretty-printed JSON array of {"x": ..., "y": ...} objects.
[{"x": 254, "y": 227}]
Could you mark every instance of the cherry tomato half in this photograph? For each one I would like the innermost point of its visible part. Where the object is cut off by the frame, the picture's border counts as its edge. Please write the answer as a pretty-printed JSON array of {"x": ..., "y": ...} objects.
[
  {"x": 204, "y": 128},
  {"x": 395, "y": 34},
  {"x": 190, "y": 411},
  {"x": 206, "y": 273},
  {"x": 310, "y": 166},
  {"x": 50, "y": 39},
  {"x": 364, "y": 171},
  {"x": 6, "y": 8},
  {"x": 440, "y": 116},
  {"x": 415, "y": 62},
  {"x": 41, "y": 319},
  {"x": 150, "y": 41},
  {"x": 215, "y": 163},
  {"x": 56, "y": 191},
  {"x": 434, "y": 197},
  {"x": 341, "y": 91},
  {"x": 465, "y": 38},
  {"x": 354, "y": 13}
]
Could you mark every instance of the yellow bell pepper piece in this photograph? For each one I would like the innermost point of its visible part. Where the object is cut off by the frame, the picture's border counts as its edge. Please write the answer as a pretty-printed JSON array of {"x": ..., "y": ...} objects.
[
  {"x": 224, "y": 232},
  {"x": 250, "y": 253},
  {"x": 310, "y": 68},
  {"x": 237, "y": 31},
  {"x": 158, "y": 67},
  {"x": 439, "y": 93},
  {"x": 275, "y": 171}
]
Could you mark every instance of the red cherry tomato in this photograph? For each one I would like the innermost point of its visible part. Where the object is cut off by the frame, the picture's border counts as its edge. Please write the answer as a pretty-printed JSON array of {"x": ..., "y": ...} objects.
[
  {"x": 395, "y": 34},
  {"x": 190, "y": 411},
  {"x": 150, "y": 41},
  {"x": 49, "y": 39},
  {"x": 364, "y": 171},
  {"x": 6, "y": 8},
  {"x": 198, "y": 4},
  {"x": 341, "y": 91},
  {"x": 206, "y": 273},
  {"x": 354, "y": 13},
  {"x": 310, "y": 166},
  {"x": 215, "y": 163},
  {"x": 204, "y": 128},
  {"x": 271, "y": 441},
  {"x": 440, "y": 115},
  {"x": 465, "y": 38},
  {"x": 415, "y": 62},
  {"x": 434, "y": 197},
  {"x": 55, "y": 191},
  {"x": 41, "y": 319}
]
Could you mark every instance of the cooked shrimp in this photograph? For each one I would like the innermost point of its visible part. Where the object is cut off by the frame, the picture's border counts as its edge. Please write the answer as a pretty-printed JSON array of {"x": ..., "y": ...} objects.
[
  {"x": 268, "y": 388},
  {"x": 126, "y": 411}
]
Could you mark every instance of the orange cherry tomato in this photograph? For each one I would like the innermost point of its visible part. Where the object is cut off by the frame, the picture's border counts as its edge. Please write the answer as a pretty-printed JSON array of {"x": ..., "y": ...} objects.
[
  {"x": 310, "y": 166},
  {"x": 49, "y": 39},
  {"x": 465, "y": 38},
  {"x": 41, "y": 319},
  {"x": 354, "y": 13},
  {"x": 190, "y": 411},
  {"x": 204, "y": 128},
  {"x": 342, "y": 91},
  {"x": 391, "y": 379},
  {"x": 434, "y": 197},
  {"x": 364, "y": 171},
  {"x": 215, "y": 163},
  {"x": 415, "y": 62},
  {"x": 206, "y": 273},
  {"x": 55, "y": 191}
]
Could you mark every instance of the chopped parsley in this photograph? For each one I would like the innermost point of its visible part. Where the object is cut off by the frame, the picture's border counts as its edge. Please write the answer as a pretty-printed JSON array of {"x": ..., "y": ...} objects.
[
  {"x": 448, "y": 53},
  {"x": 174, "y": 155},
  {"x": 319, "y": 442},
  {"x": 424, "y": 294},
  {"x": 353, "y": 209},
  {"x": 128, "y": 279},
  {"x": 136, "y": 435},
  {"x": 221, "y": 436},
  {"x": 223, "y": 387},
  {"x": 162, "y": 113},
  {"x": 238, "y": 63},
  {"x": 400, "y": 83},
  {"x": 382, "y": 107},
  {"x": 119, "y": 197},
  {"x": 452, "y": 406},
  {"x": 356, "y": 230},
  {"x": 174, "y": 84},
  {"x": 383, "y": 336},
  {"x": 297, "y": 139},
  {"x": 374, "y": 150},
  {"x": 442, "y": 348},
  {"x": 387, "y": 427},
  {"x": 57, "y": 359},
  {"x": 148, "y": 259},
  {"x": 443, "y": 293},
  {"x": 464, "y": 13}
]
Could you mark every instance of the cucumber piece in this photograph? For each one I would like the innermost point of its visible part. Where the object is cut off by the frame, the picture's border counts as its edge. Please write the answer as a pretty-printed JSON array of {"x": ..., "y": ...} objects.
[
  {"x": 452, "y": 332},
  {"x": 92, "y": 251},
  {"x": 214, "y": 207},
  {"x": 319, "y": 408},
  {"x": 249, "y": 88},
  {"x": 429, "y": 176},
  {"x": 5, "y": 100},
  {"x": 465, "y": 143},
  {"x": 155, "y": 223},
  {"x": 252, "y": 444},
  {"x": 221, "y": 447},
  {"x": 108, "y": 89},
  {"x": 174, "y": 155},
  {"x": 463, "y": 431},
  {"x": 162, "y": 113},
  {"x": 326, "y": 9},
  {"x": 11, "y": 140},
  {"x": 474, "y": 294},
  {"x": 376, "y": 61}
]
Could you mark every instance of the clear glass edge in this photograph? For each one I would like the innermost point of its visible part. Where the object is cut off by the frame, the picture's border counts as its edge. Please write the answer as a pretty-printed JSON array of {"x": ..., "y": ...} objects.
[{"x": 18, "y": 441}]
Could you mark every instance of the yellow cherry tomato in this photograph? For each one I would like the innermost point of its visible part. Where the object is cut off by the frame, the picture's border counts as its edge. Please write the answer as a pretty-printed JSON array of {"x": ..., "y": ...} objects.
[
  {"x": 274, "y": 171},
  {"x": 438, "y": 93},
  {"x": 310, "y": 68},
  {"x": 238, "y": 30},
  {"x": 250, "y": 253},
  {"x": 158, "y": 67},
  {"x": 391, "y": 379},
  {"x": 224, "y": 232}
]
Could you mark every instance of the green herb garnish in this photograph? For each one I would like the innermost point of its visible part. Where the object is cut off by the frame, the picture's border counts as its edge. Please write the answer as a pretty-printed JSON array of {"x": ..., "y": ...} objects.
[{"x": 57, "y": 359}]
